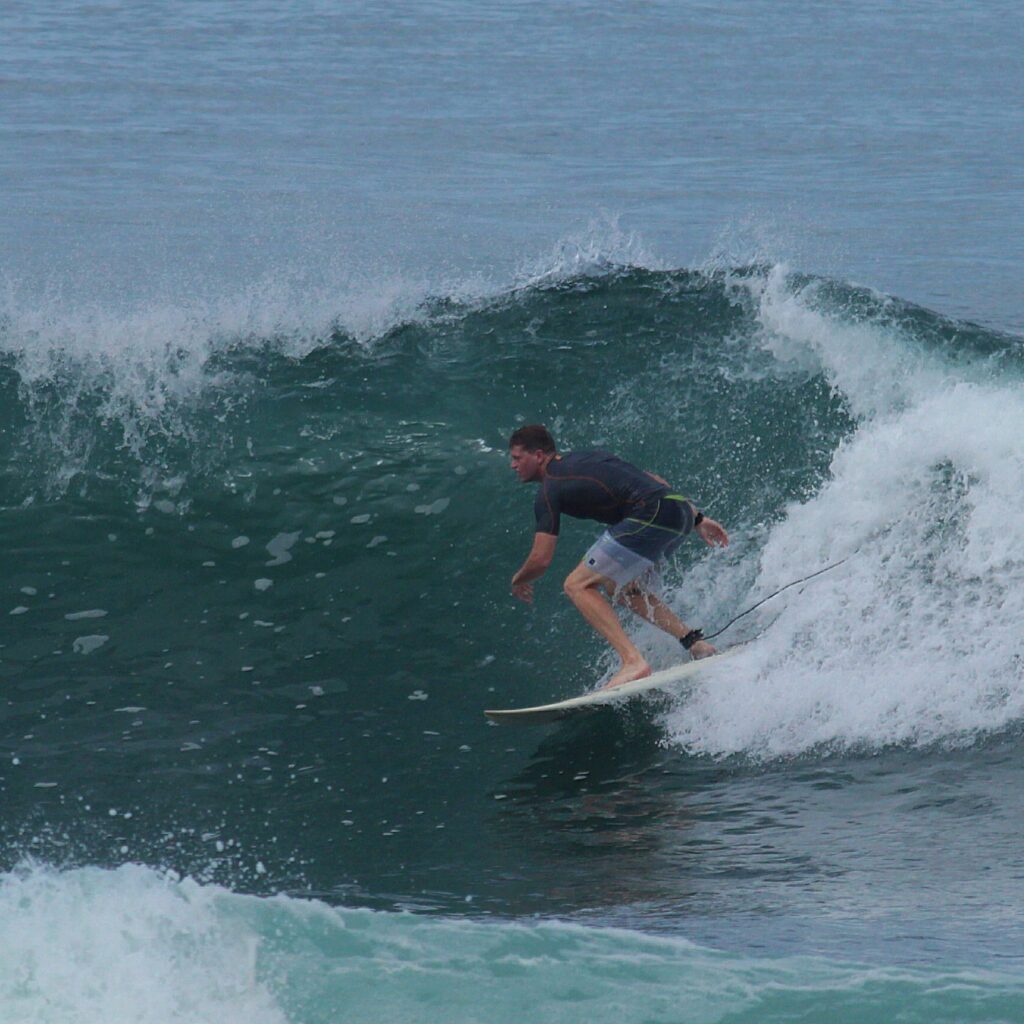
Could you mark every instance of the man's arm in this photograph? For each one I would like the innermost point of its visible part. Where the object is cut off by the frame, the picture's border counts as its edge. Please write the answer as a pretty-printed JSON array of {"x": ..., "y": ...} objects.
[
  {"x": 536, "y": 564},
  {"x": 707, "y": 529}
]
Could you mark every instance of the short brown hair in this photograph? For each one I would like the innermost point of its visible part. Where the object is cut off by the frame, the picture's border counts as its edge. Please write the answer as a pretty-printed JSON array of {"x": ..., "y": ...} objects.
[{"x": 533, "y": 437}]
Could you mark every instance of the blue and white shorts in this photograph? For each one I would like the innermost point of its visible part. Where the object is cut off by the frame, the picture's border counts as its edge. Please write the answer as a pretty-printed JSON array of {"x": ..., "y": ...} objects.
[
  {"x": 614, "y": 560},
  {"x": 632, "y": 548}
]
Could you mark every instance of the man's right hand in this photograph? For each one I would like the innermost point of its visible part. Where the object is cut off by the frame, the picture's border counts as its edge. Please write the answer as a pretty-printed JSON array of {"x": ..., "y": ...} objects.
[{"x": 523, "y": 591}]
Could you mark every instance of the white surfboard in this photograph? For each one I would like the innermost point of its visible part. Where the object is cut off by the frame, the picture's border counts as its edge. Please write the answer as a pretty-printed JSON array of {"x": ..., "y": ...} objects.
[{"x": 669, "y": 679}]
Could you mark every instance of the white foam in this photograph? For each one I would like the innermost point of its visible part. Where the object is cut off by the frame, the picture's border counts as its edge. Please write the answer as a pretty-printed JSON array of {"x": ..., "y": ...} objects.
[
  {"x": 88, "y": 644},
  {"x": 93, "y": 947},
  {"x": 280, "y": 547},
  {"x": 89, "y": 613},
  {"x": 916, "y": 638},
  {"x": 875, "y": 370}
]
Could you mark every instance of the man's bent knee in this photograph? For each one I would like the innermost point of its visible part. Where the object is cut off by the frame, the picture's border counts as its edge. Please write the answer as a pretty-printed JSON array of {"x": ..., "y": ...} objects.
[
  {"x": 574, "y": 586},
  {"x": 579, "y": 582}
]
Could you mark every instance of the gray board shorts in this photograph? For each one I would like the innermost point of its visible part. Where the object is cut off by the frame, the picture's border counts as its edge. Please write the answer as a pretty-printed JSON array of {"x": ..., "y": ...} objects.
[{"x": 633, "y": 547}]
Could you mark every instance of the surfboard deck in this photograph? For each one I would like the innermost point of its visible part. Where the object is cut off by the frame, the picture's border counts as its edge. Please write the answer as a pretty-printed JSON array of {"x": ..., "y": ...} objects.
[{"x": 669, "y": 679}]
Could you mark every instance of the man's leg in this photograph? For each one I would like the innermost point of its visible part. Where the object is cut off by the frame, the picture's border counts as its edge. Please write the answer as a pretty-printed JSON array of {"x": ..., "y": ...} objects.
[
  {"x": 650, "y": 607},
  {"x": 583, "y": 587}
]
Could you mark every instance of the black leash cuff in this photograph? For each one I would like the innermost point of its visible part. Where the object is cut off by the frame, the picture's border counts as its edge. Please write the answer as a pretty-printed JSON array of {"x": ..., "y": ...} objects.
[{"x": 691, "y": 638}]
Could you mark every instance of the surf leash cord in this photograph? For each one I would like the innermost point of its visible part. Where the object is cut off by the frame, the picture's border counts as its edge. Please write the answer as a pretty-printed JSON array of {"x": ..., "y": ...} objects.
[{"x": 695, "y": 634}]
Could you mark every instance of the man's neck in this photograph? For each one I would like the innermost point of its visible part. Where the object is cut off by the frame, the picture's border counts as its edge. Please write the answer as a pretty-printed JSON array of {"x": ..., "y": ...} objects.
[{"x": 547, "y": 462}]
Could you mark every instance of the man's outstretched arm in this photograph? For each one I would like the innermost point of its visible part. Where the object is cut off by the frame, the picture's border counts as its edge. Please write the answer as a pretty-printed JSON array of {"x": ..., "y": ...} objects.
[{"x": 536, "y": 564}]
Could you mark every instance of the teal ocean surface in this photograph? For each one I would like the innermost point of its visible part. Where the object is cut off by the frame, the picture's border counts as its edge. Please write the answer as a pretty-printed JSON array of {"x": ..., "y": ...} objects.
[
  {"x": 138, "y": 945},
  {"x": 277, "y": 287}
]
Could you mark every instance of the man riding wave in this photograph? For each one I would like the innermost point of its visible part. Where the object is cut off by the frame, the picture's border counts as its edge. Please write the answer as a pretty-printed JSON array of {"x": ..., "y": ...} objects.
[{"x": 645, "y": 523}]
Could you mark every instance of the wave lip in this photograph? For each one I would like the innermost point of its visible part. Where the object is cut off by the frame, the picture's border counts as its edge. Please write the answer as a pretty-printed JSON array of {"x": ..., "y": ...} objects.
[{"x": 143, "y": 379}]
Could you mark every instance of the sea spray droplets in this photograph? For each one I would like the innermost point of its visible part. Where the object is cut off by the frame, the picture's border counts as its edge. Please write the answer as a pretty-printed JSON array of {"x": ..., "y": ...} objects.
[{"x": 83, "y": 370}]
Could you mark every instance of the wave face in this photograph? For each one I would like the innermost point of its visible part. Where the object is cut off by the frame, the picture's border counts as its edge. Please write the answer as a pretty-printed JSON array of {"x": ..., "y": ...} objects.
[
  {"x": 362, "y": 462},
  {"x": 142, "y": 946},
  {"x": 257, "y": 577}
]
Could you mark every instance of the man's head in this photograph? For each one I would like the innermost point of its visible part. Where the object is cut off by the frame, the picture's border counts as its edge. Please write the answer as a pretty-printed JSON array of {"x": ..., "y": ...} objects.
[{"x": 530, "y": 449}]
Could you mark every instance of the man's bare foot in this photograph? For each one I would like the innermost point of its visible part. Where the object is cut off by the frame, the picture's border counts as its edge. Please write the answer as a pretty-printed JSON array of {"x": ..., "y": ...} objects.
[
  {"x": 702, "y": 649},
  {"x": 628, "y": 673}
]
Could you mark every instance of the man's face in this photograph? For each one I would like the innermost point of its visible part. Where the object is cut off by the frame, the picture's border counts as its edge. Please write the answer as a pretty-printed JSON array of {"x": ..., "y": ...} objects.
[{"x": 526, "y": 465}]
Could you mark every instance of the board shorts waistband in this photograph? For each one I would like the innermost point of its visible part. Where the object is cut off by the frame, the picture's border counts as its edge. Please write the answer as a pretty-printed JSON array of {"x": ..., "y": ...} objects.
[{"x": 656, "y": 530}]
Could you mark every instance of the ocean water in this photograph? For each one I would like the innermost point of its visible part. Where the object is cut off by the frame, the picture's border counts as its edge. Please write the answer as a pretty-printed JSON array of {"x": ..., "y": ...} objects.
[{"x": 278, "y": 282}]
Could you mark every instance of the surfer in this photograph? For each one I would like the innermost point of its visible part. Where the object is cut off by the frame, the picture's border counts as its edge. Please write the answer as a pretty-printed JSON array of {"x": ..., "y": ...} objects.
[{"x": 645, "y": 522}]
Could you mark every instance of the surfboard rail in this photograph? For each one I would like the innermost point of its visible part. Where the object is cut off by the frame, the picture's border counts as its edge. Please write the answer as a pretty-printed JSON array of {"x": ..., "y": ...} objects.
[{"x": 666, "y": 680}]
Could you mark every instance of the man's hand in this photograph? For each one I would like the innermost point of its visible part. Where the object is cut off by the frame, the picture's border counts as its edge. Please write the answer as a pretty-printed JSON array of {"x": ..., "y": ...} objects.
[
  {"x": 535, "y": 566},
  {"x": 712, "y": 533}
]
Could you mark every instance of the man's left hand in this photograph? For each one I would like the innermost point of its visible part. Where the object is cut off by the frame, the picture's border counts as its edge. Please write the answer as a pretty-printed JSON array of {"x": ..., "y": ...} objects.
[
  {"x": 712, "y": 533},
  {"x": 702, "y": 649},
  {"x": 523, "y": 591}
]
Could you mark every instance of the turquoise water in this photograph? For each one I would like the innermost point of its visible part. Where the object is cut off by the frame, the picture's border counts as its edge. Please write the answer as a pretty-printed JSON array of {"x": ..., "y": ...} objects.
[
  {"x": 140, "y": 946},
  {"x": 278, "y": 287}
]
